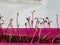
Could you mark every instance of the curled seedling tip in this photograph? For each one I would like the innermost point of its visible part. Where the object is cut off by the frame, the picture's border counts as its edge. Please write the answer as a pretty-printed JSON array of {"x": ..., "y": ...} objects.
[{"x": 17, "y": 14}]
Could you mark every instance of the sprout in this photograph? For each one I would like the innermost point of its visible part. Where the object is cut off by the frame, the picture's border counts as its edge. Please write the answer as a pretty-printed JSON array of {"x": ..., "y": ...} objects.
[
  {"x": 0, "y": 16},
  {"x": 28, "y": 19},
  {"x": 44, "y": 21},
  {"x": 37, "y": 21},
  {"x": 11, "y": 19},
  {"x": 18, "y": 25},
  {"x": 48, "y": 21},
  {"x": 34, "y": 11},
  {"x": 17, "y": 14},
  {"x": 25, "y": 23},
  {"x": 47, "y": 18}
]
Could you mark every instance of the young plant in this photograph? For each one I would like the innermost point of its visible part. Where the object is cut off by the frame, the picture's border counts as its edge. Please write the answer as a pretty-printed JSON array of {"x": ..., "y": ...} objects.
[{"x": 48, "y": 22}]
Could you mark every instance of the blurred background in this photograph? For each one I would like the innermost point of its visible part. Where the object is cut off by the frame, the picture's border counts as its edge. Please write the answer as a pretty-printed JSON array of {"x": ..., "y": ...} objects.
[{"x": 44, "y": 8}]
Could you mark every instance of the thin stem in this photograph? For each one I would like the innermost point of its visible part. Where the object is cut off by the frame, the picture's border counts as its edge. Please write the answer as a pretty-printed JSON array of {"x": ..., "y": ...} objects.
[
  {"x": 57, "y": 21},
  {"x": 34, "y": 35},
  {"x": 32, "y": 20}
]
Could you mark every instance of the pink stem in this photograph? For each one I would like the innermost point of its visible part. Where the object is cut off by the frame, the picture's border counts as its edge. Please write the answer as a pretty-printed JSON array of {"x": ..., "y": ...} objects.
[
  {"x": 36, "y": 23},
  {"x": 33, "y": 36},
  {"x": 34, "y": 33},
  {"x": 17, "y": 25},
  {"x": 40, "y": 33},
  {"x": 48, "y": 35},
  {"x": 49, "y": 25},
  {"x": 44, "y": 25},
  {"x": 9, "y": 39},
  {"x": 7, "y": 28},
  {"x": 54, "y": 38},
  {"x": 29, "y": 24}
]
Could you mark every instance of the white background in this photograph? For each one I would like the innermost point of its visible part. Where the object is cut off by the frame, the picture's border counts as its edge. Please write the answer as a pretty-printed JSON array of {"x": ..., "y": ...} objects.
[{"x": 9, "y": 9}]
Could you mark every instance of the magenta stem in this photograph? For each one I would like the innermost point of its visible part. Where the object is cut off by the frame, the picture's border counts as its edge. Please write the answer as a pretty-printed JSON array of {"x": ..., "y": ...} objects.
[
  {"x": 54, "y": 38},
  {"x": 17, "y": 26},
  {"x": 33, "y": 36},
  {"x": 40, "y": 33}
]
